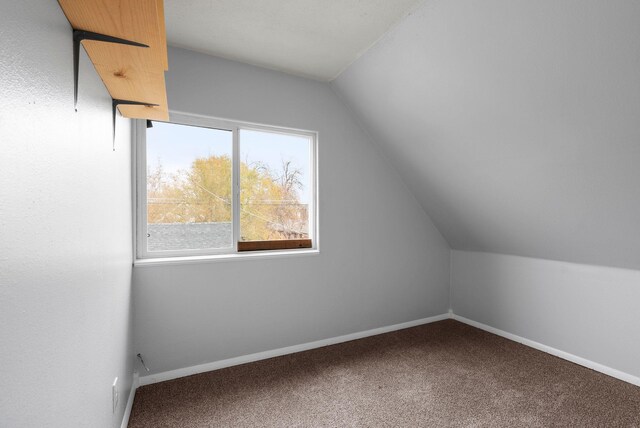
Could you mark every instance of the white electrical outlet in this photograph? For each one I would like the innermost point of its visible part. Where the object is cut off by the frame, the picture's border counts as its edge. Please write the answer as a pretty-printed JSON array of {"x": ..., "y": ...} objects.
[{"x": 114, "y": 394}]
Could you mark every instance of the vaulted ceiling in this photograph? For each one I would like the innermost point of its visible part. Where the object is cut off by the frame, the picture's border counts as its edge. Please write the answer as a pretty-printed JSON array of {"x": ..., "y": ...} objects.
[
  {"x": 516, "y": 123},
  {"x": 311, "y": 38}
]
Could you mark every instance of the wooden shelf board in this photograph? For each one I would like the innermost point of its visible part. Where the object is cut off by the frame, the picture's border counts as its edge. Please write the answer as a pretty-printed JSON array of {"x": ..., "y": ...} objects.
[
  {"x": 120, "y": 56},
  {"x": 129, "y": 72},
  {"x": 133, "y": 84},
  {"x": 163, "y": 32},
  {"x": 143, "y": 112},
  {"x": 140, "y": 21}
]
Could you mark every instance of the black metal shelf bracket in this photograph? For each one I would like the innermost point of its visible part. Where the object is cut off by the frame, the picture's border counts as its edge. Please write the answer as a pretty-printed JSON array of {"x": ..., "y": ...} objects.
[
  {"x": 114, "y": 105},
  {"x": 78, "y": 37}
]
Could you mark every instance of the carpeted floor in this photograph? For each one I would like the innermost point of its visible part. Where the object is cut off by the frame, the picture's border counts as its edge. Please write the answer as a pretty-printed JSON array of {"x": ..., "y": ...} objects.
[{"x": 445, "y": 374}]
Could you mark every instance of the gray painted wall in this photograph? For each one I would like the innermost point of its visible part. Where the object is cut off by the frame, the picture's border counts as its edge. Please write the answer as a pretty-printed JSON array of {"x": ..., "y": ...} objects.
[
  {"x": 588, "y": 311},
  {"x": 65, "y": 231},
  {"x": 515, "y": 123},
  {"x": 381, "y": 260}
]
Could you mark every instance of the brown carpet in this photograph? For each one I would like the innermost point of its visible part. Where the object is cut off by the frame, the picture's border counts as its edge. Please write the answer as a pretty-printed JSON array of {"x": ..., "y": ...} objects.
[{"x": 445, "y": 374}]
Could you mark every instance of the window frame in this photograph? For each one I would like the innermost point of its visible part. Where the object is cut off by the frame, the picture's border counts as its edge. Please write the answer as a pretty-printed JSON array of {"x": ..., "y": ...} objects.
[{"x": 140, "y": 188}]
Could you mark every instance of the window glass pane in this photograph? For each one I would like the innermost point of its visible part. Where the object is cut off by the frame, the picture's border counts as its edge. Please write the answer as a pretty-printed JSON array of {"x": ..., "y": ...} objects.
[
  {"x": 275, "y": 186},
  {"x": 188, "y": 188}
]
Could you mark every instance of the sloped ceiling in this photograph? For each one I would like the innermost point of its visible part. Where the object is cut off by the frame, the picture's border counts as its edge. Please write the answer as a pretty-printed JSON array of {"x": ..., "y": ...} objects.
[
  {"x": 311, "y": 38},
  {"x": 516, "y": 123}
]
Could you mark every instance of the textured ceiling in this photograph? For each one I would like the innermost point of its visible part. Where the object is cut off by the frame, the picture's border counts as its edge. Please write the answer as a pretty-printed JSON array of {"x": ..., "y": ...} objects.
[
  {"x": 312, "y": 38},
  {"x": 515, "y": 123}
]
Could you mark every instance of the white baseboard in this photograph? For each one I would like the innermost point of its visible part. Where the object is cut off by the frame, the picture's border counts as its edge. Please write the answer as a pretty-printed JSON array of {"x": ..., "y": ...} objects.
[
  {"x": 553, "y": 351},
  {"x": 132, "y": 394},
  {"x": 216, "y": 365}
]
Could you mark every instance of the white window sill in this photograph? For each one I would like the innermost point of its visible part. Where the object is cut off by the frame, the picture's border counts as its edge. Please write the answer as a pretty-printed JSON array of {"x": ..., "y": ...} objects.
[{"x": 257, "y": 255}]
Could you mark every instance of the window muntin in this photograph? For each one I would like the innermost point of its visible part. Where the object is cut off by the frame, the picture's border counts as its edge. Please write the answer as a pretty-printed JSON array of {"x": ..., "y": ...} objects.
[{"x": 207, "y": 186}]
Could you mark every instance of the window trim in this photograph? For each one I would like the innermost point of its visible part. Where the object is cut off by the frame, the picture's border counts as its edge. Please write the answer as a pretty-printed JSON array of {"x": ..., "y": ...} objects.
[{"x": 189, "y": 119}]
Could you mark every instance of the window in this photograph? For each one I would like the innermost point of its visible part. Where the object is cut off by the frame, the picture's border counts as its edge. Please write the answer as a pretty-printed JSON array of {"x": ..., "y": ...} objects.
[{"x": 208, "y": 186}]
